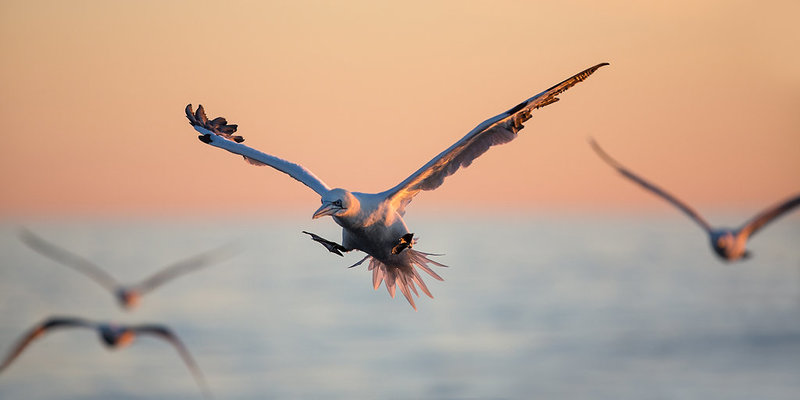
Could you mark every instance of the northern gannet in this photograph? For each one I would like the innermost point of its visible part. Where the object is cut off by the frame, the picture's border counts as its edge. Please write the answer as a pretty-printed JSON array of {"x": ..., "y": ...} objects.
[
  {"x": 729, "y": 244},
  {"x": 373, "y": 222},
  {"x": 128, "y": 296},
  {"x": 113, "y": 336}
]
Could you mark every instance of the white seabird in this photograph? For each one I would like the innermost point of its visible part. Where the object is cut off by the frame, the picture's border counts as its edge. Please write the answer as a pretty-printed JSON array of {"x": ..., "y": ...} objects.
[
  {"x": 113, "y": 336},
  {"x": 373, "y": 222},
  {"x": 729, "y": 244},
  {"x": 128, "y": 296}
]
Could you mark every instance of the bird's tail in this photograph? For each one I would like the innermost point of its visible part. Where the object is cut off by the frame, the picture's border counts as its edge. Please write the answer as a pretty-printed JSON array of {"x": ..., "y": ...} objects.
[{"x": 405, "y": 278}]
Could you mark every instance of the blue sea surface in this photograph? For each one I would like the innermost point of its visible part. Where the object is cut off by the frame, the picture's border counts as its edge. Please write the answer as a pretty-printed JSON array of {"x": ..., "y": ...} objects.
[{"x": 577, "y": 307}]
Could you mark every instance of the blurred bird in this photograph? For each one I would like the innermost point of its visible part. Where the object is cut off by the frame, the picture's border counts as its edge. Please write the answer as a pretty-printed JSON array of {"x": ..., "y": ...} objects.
[
  {"x": 113, "y": 336},
  {"x": 372, "y": 222},
  {"x": 127, "y": 296},
  {"x": 729, "y": 244}
]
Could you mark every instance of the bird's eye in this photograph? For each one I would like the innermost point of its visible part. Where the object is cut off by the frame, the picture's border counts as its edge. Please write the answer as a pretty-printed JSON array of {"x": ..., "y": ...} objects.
[{"x": 337, "y": 203}]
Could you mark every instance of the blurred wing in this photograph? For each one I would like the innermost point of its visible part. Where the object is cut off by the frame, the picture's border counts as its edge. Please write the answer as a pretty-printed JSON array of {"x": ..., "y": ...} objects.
[
  {"x": 69, "y": 259},
  {"x": 649, "y": 186},
  {"x": 38, "y": 331},
  {"x": 164, "y": 333},
  {"x": 183, "y": 267},
  {"x": 497, "y": 130},
  {"x": 220, "y": 134},
  {"x": 766, "y": 216}
]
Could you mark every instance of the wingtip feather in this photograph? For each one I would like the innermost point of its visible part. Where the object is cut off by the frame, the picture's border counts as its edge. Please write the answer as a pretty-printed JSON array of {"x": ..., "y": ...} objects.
[
  {"x": 190, "y": 114},
  {"x": 219, "y": 125}
]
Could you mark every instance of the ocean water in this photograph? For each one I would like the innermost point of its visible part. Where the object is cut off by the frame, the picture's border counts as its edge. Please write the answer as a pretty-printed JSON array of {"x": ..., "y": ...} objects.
[{"x": 578, "y": 307}]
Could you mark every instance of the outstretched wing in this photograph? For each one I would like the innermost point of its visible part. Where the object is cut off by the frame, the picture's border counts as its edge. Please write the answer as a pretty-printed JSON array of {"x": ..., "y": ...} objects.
[
  {"x": 218, "y": 133},
  {"x": 166, "y": 334},
  {"x": 38, "y": 331},
  {"x": 651, "y": 187},
  {"x": 183, "y": 267},
  {"x": 766, "y": 216},
  {"x": 497, "y": 130},
  {"x": 69, "y": 259}
]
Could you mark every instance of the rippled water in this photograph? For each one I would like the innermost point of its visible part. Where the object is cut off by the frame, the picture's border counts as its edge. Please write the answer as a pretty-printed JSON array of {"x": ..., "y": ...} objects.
[{"x": 541, "y": 307}]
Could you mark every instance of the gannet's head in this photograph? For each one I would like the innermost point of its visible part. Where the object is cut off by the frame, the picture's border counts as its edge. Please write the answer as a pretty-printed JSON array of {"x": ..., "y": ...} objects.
[{"x": 336, "y": 203}]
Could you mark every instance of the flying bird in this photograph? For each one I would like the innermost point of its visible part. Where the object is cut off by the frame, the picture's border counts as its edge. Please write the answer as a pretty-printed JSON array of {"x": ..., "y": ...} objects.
[
  {"x": 113, "y": 336},
  {"x": 128, "y": 296},
  {"x": 728, "y": 244},
  {"x": 373, "y": 222}
]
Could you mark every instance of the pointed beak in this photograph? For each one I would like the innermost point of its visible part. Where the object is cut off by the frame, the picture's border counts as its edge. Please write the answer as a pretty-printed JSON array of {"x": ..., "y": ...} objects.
[{"x": 326, "y": 209}]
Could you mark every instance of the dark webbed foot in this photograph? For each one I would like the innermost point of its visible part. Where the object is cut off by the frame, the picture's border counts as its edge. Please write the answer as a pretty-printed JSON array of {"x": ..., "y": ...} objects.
[
  {"x": 405, "y": 242},
  {"x": 333, "y": 247}
]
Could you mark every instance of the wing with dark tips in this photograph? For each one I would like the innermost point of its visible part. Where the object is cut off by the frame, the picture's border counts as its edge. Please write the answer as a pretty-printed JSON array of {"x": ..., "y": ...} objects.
[
  {"x": 497, "y": 130},
  {"x": 216, "y": 134},
  {"x": 165, "y": 333},
  {"x": 768, "y": 215},
  {"x": 184, "y": 267},
  {"x": 651, "y": 187},
  {"x": 218, "y": 126},
  {"x": 69, "y": 259},
  {"x": 39, "y": 330}
]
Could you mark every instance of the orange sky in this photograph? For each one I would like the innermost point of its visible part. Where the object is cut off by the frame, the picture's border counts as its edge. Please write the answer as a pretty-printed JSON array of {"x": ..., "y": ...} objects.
[{"x": 703, "y": 99}]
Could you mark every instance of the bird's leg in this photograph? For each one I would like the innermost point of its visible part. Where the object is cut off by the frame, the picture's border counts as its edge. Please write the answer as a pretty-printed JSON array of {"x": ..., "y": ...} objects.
[
  {"x": 333, "y": 247},
  {"x": 405, "y": 242}
]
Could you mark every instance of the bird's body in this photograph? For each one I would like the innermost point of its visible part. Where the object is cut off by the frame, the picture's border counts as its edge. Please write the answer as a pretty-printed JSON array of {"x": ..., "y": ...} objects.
[
  {"x": 730, "y": 244},
  {"x": 373, "y": 222},
  {"x": 373, "y": 227},
  {"x": 113, "y": 336},
  {"x": 116, "y": 336},
  {"x": 127, "y": 296}
]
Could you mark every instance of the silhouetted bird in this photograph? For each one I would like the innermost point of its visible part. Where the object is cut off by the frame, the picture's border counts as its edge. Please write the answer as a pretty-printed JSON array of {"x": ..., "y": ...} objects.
[
  {"x": 128, "y": 296},
  {"x": 373, "y": 222},
  {"x": 729, "y": 244},
  {"x": 113, "y": 336}
]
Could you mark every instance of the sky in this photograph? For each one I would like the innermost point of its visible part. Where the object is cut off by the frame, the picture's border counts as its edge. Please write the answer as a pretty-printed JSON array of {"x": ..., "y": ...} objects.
[{"x": 700, "y": 97}]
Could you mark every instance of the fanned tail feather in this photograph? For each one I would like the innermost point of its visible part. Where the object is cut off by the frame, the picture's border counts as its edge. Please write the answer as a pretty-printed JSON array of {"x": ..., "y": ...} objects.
[
  {"x": 377, "y": 276},
  {"x": 421, "y": 284},
  {"x": 403, "y": 285},
  {"x": 404, "y": 278},
  {"x": 389, "y": 277}
]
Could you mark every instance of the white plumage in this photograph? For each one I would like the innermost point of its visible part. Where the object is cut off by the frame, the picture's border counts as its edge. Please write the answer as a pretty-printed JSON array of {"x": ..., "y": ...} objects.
[{"x": 372, "y": 222}]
